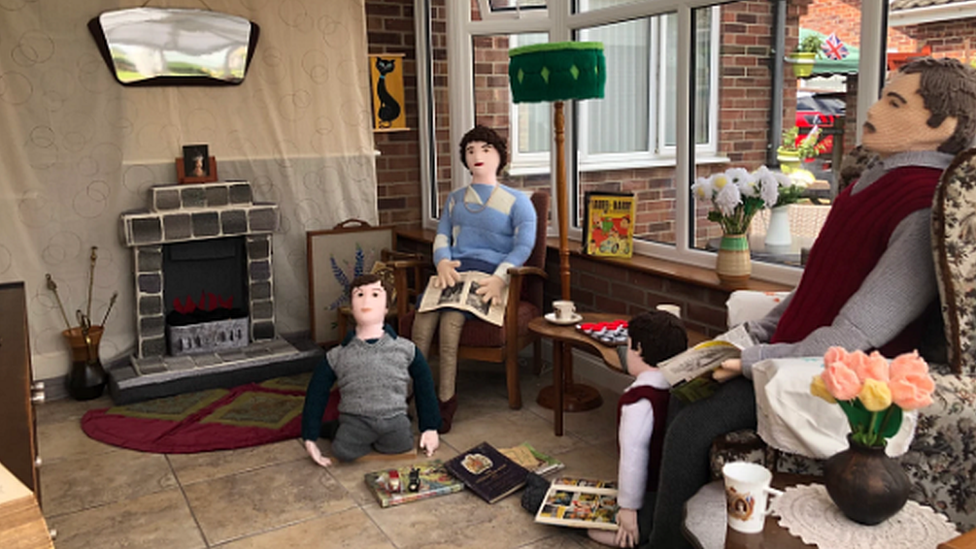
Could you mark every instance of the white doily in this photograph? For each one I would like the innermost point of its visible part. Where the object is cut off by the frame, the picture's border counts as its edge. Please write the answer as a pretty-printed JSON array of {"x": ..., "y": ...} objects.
[{"x": 808, "y": 513}]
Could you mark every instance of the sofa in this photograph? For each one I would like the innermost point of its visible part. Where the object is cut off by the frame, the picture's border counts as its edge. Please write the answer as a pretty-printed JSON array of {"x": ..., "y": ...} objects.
[{"x": 941, "y": 460}]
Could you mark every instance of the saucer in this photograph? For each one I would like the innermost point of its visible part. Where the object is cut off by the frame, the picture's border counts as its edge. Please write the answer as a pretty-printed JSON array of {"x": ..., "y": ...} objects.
[{"x": 551, "y": 317}]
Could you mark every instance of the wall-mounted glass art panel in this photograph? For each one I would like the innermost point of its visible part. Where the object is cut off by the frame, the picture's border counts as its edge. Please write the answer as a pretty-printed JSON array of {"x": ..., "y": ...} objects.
[{"x": 155, "y": 46}]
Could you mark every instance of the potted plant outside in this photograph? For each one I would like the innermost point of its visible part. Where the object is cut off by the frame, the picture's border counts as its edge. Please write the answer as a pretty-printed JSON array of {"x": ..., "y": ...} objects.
[
  {"x": 805, "y": 54},
  {"x": 792, "y": 154}
]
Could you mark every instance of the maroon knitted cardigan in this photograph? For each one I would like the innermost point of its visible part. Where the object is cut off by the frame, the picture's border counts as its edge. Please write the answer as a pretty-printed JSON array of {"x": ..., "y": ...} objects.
[
  {"x": 659, "y": 403},
  {"x": 852, "y": 241}
]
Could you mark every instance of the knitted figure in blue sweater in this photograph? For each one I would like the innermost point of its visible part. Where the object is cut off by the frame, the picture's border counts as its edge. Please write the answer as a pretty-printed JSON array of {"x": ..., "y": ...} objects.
[
  {"x": 372, "y": 368},
  {"x": 485, "y": 226}
]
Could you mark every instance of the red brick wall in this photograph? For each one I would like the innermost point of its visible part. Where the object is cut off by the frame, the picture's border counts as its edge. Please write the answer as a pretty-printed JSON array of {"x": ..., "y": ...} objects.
[{"x": 390, "y": 29}]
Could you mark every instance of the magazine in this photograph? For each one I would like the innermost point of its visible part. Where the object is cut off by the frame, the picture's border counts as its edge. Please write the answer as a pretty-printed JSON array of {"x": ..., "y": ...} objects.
[
  {"x": 393, "y": 486},
  {"x": 533, "y": 460},
  {"x": 608, "y": 224},
  {"x": 487, "y": 472},
  {"x": 463, "y": 296},
  {"x": 690, "y": 373},
  {"x": 580, "y": 503}
]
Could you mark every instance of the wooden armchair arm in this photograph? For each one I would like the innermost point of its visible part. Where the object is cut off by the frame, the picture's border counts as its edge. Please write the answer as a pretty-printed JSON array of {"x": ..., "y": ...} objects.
[
  {"x": 965, "y": 541},
  {"x": 521, "y": 271}
]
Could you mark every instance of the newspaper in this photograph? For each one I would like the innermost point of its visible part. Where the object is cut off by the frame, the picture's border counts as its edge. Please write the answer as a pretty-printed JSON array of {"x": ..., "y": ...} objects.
[
  {"x": 463, "y": 296},
  {"x": 690, "y": 373}
]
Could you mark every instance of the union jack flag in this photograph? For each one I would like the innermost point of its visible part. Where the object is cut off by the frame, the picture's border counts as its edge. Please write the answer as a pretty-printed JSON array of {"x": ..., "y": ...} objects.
[{"x": 833, "y": 48}]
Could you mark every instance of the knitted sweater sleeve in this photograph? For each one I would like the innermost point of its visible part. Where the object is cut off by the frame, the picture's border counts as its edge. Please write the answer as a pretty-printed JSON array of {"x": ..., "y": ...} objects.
[
  {"x": 524, "y": 220},
  {"x": 636, "y": 427},
  {"x": 895, "y": 293},
  {"x": 316, "y": 399},
  {"x": 429, "y": 415},
  {"x": 445, "y": 226}
]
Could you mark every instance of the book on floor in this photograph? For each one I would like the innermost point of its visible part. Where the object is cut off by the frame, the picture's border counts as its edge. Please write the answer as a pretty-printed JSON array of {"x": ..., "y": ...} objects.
[
  {"x": 533, "y": 460},
  {"x": 487, "y": 472},
  {"x": 411, "y": 483},
  {"x": 580, "y": 503}
]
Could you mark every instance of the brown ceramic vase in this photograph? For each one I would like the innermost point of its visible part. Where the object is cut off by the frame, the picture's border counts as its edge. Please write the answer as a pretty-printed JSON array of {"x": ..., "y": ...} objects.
[{"x": 868, "y": 486}]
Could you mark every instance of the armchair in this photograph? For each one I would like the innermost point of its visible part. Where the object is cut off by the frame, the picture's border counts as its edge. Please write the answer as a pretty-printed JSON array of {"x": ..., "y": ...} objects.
[
  {"x": 941, "y": 460},
  {"x": 501, "y": 344}
]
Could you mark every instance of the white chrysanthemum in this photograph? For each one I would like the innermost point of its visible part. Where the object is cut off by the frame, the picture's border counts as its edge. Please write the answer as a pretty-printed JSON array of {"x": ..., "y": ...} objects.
[
  {"x": 739, "y": 176},
  {"x": 768, "y": 185},
  {"x": 719, "y": 181},
  {"x": 727, "y": 199},
  {"x": 702, "y": 189}
]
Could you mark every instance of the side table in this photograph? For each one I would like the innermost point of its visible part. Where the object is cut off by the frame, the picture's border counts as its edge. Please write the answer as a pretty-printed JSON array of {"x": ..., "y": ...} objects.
[{"x": 563, "y": 394}]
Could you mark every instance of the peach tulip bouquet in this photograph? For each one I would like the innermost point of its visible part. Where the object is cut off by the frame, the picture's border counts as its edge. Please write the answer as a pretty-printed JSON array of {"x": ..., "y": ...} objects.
[{"x": 872, "y": 392}]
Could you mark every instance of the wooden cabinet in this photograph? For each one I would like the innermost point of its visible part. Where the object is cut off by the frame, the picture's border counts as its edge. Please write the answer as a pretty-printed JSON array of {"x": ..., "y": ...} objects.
[
  {"x": 18, "y": 433},
  {"x": 21, "y": 524}
]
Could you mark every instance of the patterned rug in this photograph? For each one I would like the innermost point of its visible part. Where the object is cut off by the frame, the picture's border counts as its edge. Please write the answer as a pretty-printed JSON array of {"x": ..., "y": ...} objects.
[{"x": 217, "y": 419}]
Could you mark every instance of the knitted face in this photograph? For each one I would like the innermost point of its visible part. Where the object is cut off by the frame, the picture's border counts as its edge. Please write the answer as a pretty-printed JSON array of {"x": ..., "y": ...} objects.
[
  {"x": 482, "y": 159},
  {"x": 897, "y": 122},
  {"x": 369, "y": 304}
]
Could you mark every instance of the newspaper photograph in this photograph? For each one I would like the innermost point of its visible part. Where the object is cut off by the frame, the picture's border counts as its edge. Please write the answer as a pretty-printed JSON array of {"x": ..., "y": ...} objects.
[
  {"x": 689, "y": 373},
  {"x": 463, "y": 296}
]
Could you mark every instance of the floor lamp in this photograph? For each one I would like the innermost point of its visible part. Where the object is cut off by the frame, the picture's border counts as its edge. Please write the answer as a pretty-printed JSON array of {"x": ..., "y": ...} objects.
[{"x": 554, "y": 73}]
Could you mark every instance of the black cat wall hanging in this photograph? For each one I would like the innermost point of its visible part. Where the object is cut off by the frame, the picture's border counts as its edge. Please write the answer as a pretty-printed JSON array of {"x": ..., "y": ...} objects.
[{"x": 386, "y": 81}]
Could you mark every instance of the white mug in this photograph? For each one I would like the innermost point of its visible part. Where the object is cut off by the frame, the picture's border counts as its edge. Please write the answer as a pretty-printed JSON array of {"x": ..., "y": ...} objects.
[
  {"x": 564, "y": 310},
  {"x": 747, "y": 495},
  {"x": 670, "y": 308}
]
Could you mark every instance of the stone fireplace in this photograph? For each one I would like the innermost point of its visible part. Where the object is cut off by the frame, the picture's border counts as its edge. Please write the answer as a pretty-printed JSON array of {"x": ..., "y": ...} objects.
[{"x": 203, "y": 250}]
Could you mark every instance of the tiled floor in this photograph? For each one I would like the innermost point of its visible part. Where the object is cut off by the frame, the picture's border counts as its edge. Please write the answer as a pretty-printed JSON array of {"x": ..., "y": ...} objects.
[{"x": 98, "y": 496}]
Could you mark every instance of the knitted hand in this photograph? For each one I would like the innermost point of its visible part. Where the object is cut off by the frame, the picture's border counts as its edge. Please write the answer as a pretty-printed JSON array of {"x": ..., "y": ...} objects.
[
  {"x": 491, "y": 289},
  {"x": 628, "y": 533},
  {"x": 316, "y": 454},
  {"x": 429, "y": 441},
  {"x": 447, "y": 274},
  {"x": 730, "y": 368}
]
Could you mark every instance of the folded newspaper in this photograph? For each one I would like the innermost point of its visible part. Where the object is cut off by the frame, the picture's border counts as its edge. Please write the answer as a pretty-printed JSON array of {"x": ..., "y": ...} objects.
[
  {"x": 690, "y": 373},
  {"x": 464, "y": 296}
]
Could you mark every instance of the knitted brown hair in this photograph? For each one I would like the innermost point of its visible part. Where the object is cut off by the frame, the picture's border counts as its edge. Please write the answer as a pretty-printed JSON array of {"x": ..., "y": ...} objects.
[
  {"x": 949, "y": 90},
  {"x": 487, "y": 135},
  {"x": 660, "y": 335}
]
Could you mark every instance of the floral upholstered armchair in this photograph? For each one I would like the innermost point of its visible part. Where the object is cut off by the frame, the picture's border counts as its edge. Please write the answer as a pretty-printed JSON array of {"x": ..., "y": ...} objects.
[{"x": 941, "y": 460}]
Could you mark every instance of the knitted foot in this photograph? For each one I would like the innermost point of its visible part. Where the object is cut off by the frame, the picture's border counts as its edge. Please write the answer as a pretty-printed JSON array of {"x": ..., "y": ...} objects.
[{"x": 447, "y": 413}]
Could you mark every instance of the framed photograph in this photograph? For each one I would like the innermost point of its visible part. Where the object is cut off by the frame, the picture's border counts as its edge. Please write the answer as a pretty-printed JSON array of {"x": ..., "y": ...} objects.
[
  {"x": 335, "y": 258},
  {"x": 386, "y": 84},
  {"x": 196, "y": 166},
  {"x": 608, "y": 224}
]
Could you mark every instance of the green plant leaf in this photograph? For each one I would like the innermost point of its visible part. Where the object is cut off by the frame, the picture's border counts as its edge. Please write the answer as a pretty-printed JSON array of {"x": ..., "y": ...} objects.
[
  {"x": 857, "y": 415},
  {"x": 892, "y": 421}
]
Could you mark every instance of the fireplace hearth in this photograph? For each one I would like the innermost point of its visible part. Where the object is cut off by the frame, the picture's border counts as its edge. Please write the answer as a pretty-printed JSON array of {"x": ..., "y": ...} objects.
[{"x": 203, "y": 250}]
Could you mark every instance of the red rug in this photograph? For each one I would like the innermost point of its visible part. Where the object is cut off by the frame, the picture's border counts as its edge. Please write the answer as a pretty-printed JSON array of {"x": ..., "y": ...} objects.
[{"x": 218, "y": 419}]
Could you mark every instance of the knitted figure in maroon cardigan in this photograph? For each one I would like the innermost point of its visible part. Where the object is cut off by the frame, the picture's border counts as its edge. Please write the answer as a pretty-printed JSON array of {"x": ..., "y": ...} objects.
[{"x": 654, "y": 336}]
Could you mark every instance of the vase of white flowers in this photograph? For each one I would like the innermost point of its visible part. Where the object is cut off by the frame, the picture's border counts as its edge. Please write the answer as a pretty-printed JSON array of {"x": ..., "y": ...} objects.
[
  {"x": 736, "y": 195},
  {"x": 778, "y": 234}
]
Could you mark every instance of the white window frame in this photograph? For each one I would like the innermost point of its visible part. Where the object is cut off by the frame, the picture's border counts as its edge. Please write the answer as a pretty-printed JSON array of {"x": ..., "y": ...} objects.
[
  {"x": 658, "y": 152},
  {"x": 560, "y": 24}
]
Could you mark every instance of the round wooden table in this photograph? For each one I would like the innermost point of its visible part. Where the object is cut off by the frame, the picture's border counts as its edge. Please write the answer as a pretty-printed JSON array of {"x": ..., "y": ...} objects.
[{"x": 564, "y": 394}]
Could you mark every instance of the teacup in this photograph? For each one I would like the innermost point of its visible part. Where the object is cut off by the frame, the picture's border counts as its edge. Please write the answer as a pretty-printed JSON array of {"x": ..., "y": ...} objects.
[
  {"x": 670, "y": 308},
  {"x": 747, "y": 495},
  {"x": 564, "y": 310}
]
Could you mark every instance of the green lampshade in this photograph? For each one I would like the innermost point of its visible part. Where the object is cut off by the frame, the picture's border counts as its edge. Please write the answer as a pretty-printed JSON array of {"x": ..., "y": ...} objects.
[{"x": 557, "y": 71}]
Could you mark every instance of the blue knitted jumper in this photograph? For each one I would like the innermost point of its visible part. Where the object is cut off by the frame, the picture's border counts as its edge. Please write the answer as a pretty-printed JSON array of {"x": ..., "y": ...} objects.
[{"x": 486, "y": 228}]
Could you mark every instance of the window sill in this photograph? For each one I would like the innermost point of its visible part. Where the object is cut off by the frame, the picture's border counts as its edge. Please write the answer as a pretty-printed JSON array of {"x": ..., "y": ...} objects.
[
  {"x": 691, "y": 274},
  {"x": 516, "y": 171}
]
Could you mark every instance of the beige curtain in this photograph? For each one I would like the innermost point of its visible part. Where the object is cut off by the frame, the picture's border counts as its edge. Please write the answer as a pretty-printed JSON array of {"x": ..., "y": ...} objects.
[{"x": 77, "y": 149}]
